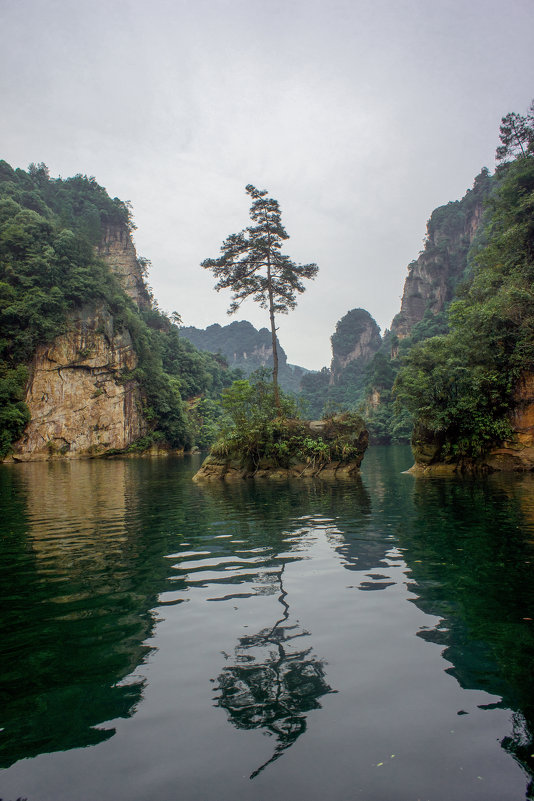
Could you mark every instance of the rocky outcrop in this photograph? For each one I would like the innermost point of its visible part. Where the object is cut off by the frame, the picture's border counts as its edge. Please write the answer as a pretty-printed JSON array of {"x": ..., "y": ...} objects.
[
  {"x": 118, "y": 250},
  {"x": 79, "y": 401},
  {"x": 343, "y": 441},
  {"x": 516, "y": 454},
  {"x": 433, "y": 277},
  {"x": 356, "y": 339}
]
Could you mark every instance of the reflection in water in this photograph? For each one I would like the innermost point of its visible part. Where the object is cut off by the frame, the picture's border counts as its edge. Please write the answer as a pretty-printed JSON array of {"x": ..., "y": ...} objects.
[
  {"x": 273, "y": 682},
  {"x": 74, "y": 564},
  {"x": 92, "y": 554},
  {"x": 475, "y": 573}
]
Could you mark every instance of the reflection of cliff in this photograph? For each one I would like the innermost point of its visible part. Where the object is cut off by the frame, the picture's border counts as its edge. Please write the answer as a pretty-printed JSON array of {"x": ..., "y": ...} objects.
[
  {"x": 473, "y": 569},
  {"x": 74, "y": 628},
  {"x": 273, "y": 682}
]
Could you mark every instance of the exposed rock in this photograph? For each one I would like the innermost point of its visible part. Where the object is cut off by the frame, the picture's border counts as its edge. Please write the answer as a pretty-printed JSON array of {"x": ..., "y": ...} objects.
[
  {"x": 356, "y": 339},
  {"x": 433, "y": 277},
  {"x": 79, "y": 404},
  {"x": 118, "y": 250},
  {"x": 216, "y": 469},
  {"x": 517, "y": 454}
]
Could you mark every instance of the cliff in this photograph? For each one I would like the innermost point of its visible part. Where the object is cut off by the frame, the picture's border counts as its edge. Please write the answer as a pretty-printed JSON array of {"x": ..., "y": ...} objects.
[
  {"x": 433, "y": 276},
  {"x": 355, "y": 341},
  {"x": 118, "y": 251},
  {"x": 87, "y": 365},
  {"x": 79, "y": 403},
  {"x": 516, "y": 453}
]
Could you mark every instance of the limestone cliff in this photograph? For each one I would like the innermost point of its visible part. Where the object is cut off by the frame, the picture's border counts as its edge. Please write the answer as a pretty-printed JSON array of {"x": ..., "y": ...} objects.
[
  {"x": 356, "y": 340},
  {"x": 79, "y": 404},
  {"x": 434, "y": 275},
  {"x": 118, "y": 250}
]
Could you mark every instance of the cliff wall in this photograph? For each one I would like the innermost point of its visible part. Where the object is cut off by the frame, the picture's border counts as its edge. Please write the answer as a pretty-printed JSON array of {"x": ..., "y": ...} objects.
[
  {"x": 516, "y": 454},
  {"x": 433, "y": 276},
  {"x": 79, "y": 404},
  {"x": 118, "y": 250},
  {"x": 356, "y": 339}
]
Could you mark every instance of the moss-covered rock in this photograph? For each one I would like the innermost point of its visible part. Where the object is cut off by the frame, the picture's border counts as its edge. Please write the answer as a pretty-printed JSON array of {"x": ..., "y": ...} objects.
[{"x": 333, "y": 447}]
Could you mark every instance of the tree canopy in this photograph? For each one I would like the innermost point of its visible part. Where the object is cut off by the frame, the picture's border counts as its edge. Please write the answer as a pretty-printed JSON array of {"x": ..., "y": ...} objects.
[{"x": 252, "y": 266}]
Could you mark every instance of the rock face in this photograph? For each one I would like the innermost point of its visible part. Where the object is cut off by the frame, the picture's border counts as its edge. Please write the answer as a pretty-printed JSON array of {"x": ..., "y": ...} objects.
[
  {"x": 517, "y": 454},
  {"x": 356, "y": 339},
  {"x": 79, "y": 404},
  {"x": 117, "y": 249},
  {"x": 432, "y": 278}
]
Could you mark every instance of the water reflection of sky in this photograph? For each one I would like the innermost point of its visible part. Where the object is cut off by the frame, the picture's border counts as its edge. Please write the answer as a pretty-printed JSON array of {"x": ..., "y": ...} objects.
[{"x": 348, "y": 628}]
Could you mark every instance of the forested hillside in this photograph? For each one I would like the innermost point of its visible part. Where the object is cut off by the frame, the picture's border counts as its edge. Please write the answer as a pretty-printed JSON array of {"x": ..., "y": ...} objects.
[
  {"x": 50, "y": 233},
  {"x": 468, "y": 389},
  {"x": 459, "y": 358},
  {"x": 245, "y": 348}
]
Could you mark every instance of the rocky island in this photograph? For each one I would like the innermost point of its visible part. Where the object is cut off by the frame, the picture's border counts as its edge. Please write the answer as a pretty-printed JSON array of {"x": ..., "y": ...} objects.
[{"x": 291, "y": 448}]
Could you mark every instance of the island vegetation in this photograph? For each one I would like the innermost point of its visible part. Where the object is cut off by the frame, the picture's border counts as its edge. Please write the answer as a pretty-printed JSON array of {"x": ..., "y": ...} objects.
[{"x": 262, "y": 432}]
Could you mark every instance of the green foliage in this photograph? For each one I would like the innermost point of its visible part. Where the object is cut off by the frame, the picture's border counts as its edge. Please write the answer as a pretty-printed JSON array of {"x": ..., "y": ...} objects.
[
  {"x": 252, "y": 266},
  {"x": 516, "y": 135},
  {"x": 48, "y": 268},
  {"x": 460, "y": 385},
  {"x": 255, "y": 434}
]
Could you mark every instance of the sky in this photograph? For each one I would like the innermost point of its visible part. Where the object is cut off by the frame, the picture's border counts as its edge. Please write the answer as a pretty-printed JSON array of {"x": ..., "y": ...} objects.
[{"x": 359, "y": 117}]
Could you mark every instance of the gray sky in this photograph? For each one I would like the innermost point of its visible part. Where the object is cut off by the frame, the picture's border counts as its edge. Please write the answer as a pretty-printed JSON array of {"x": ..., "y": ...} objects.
[{"x": 359, "y": 118}]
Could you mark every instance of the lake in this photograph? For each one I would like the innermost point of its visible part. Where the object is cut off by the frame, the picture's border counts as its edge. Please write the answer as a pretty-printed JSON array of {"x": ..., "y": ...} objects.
[{"x": 305, "y": 640}]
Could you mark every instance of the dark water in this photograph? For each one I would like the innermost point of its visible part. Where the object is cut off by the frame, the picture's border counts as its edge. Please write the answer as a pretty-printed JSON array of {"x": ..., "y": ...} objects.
[{"x": 162, "y": 640}]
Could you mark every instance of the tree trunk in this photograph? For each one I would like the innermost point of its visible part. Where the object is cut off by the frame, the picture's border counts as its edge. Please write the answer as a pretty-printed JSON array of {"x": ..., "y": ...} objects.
[{"x": 273, "y": 335}]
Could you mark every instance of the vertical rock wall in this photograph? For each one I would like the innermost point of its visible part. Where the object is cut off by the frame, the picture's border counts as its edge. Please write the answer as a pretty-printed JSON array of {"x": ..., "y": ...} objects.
[
  {"x": 432, "y": 278},
  {"x": 79, "y": 403},
  {"x": 117, "y": 249}
]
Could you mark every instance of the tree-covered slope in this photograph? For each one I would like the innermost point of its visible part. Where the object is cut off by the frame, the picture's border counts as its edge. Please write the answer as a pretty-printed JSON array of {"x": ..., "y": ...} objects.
[
  {"x": 462, "y": 386},
  {"x": 49, "y": 233},
  {"x": 245, "y": 348}
]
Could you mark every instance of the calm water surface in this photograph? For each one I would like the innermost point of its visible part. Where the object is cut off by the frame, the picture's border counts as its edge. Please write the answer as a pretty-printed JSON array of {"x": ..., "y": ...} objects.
[{"x": 161, "y": 640}]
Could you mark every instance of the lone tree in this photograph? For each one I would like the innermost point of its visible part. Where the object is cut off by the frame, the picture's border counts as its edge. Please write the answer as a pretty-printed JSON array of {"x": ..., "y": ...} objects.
[
  {"x": 516, "y": 135},
  {"x": 252, "y": 266}
]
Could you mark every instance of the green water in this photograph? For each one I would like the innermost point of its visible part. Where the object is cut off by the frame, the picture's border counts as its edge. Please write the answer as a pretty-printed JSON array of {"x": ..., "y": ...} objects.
[{"x": 162, "y": 640}]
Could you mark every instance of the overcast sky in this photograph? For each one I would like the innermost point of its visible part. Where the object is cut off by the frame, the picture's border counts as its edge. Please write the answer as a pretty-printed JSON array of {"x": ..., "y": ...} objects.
[{"x": 359, "y": 118}]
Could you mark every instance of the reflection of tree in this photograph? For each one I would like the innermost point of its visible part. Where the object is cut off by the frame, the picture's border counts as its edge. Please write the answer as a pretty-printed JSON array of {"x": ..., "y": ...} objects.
[{"x": 274, "y": 682}]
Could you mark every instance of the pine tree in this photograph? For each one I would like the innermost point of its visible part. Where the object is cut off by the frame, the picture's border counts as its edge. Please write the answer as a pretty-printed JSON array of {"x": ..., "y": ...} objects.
[
  {"x": 252, "y": 266},
  {"x": 516, "y": 135}
]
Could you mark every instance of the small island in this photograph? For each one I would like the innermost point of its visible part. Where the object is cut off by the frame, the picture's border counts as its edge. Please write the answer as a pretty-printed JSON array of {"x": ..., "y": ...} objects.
[{"x": 290, "y": 448}]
